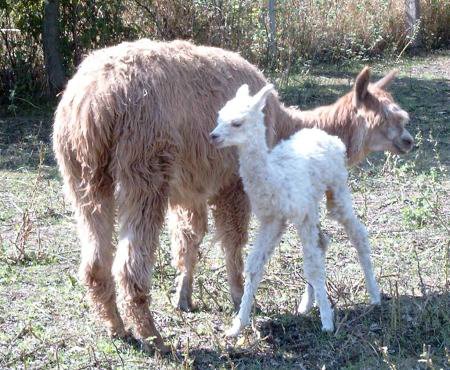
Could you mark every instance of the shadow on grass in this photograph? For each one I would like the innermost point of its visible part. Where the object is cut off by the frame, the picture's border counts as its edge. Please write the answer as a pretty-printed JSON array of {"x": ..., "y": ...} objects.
[
  {"x": 407, "y": 332},
  {"x": 22, "y": 138},
  {"x": 25, "y": 144}
]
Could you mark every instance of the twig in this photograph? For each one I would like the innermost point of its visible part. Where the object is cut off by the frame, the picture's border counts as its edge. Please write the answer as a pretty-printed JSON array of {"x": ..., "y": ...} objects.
[
  {"x": 419, "y": 272},
  {"x": 28, "y": 102},
  {"x": 341, "y": 323},
  {"x": 57, "y": 357},
  {"x": 210, "y": 295},
  {"x": 365, "y": 313}
]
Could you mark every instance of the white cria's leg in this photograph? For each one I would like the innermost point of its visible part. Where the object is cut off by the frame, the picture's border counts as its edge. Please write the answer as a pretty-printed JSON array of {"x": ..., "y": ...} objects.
[
  {"x": 339, "y": 204},
  {"x": 314, "y": 266},
  {"x": 269, "y": 236},
  {"x": 307, "y": 300}
]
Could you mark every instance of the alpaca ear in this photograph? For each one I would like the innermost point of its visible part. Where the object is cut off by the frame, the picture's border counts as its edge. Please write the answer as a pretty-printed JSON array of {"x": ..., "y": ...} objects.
[
  {"x": 387, "y": 80},
  {"x": 261, "y": 96},
  {"x": 360, "y": 88},
  {"x": 243, "y": 91}
]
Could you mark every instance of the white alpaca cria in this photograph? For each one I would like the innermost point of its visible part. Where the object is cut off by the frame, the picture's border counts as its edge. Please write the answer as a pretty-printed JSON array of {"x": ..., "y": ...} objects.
[{"x": 284, "y": 184}]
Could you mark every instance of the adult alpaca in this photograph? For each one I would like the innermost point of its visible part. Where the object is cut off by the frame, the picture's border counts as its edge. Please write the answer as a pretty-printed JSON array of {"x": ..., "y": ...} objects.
[{"x": 131, "y": 137}]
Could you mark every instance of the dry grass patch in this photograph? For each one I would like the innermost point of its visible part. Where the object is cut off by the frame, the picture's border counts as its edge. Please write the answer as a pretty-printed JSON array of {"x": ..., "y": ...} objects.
[{"x": 46, "y": 323}]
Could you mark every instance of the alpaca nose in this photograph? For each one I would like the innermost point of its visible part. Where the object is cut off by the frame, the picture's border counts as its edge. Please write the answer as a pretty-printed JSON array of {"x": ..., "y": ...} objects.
[
  {"x": 407, "y": 141},
  {"x": 213, "y": 136}
]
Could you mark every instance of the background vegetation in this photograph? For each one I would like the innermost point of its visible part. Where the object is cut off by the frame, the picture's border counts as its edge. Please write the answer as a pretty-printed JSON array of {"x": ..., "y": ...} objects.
[{"x": 303, "y": 32}]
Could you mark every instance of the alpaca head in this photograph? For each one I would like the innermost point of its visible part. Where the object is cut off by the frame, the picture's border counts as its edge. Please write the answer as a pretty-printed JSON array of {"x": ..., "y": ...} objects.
[
  {"x": 384, "y": 119},
  {"x": 241, "y": 119}
]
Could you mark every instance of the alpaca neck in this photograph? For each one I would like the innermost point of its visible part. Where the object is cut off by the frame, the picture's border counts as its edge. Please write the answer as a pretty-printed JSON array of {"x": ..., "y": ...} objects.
[
  {"x": 336, "y": 119},
  {"x": 293, "y": 120},
  {"x": 254, "y": 163},
  {"x": 288, "y": 121}
]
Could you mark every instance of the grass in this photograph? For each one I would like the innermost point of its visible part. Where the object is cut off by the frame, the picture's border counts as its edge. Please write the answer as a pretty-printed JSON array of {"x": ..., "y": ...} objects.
[{"x": 46, "y": 323}]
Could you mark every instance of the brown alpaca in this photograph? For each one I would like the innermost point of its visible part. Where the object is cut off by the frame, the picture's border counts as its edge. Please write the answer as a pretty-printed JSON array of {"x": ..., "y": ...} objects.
[{"x": 131, "y": 137}]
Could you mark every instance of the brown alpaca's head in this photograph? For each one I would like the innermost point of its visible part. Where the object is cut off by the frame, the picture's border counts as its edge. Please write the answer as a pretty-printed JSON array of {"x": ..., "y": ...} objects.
[{"x": 384, "y": 120}]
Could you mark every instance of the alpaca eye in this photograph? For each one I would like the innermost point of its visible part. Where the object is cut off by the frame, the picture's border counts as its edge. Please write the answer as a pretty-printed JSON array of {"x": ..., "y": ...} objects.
[{"x": 236, "y": 123}]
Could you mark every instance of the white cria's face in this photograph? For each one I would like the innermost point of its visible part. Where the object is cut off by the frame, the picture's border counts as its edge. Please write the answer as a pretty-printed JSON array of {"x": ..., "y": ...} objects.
[{"x": 240, "y": 118}]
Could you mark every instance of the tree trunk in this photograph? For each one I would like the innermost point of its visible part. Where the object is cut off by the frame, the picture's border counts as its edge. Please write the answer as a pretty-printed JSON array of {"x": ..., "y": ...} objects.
[
  {"x": 52, "y": 56},
  {"x": 413, "y": 22},
  {"x": 272, "y": 30}
]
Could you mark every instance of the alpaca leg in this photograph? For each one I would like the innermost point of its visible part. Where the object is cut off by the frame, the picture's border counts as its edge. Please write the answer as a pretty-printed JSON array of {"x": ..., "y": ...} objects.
[
  {"x": 231, "y": 211},
  {"x": 339, "y": 204},
  {"x": 141, "y": 216},
  {"x": 268, "y": 237},
  {"x": 314, "y": 266},
  {"x": 95, "y": 228},
  {"x": 187, "y": 228},
  {"x": 307, "y": 300}
]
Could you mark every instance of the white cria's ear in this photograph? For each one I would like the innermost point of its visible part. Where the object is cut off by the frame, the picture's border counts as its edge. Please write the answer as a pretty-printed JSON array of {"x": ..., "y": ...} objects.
[
  {"x": 243, "y": 92},
  {"x": 259, "y": 100}
]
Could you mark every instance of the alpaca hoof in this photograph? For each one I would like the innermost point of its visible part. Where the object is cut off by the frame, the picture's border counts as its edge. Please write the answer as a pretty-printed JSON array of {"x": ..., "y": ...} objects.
[
  {"x": 161, "y": 347},
  {"x": 328, "y": 328},
  {"x": 327, "y": 321},
  {"x": 152, "y": 346},
  {"x": 183, "y": 304},
  {"x": 376, "y": 299},
  {"x": 235, "y": 329},
  {"x": 149, "y": 345},
  {"x": 305, "y": 307},
  {"x": 120, "y": 333}
]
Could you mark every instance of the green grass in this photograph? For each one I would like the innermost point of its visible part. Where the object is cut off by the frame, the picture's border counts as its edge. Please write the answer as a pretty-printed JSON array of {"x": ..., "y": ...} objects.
[{"x": 404, "y": 201}]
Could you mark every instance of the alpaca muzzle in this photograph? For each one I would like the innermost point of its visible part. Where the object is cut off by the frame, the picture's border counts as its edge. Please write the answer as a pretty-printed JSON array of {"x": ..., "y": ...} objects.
[{"x": 215, "y": 139}]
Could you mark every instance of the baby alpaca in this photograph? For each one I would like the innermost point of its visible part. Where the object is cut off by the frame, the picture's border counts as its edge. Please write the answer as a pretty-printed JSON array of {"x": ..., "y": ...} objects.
[{"x": 285, "y": 184}]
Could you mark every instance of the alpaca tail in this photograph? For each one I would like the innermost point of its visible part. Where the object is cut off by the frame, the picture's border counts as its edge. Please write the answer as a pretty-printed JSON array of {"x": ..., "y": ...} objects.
[{"x": 81, "y": 141}]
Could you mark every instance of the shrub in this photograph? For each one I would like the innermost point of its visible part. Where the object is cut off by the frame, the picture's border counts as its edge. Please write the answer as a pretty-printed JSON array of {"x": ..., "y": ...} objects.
[{"x": 320, "y": 30}]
